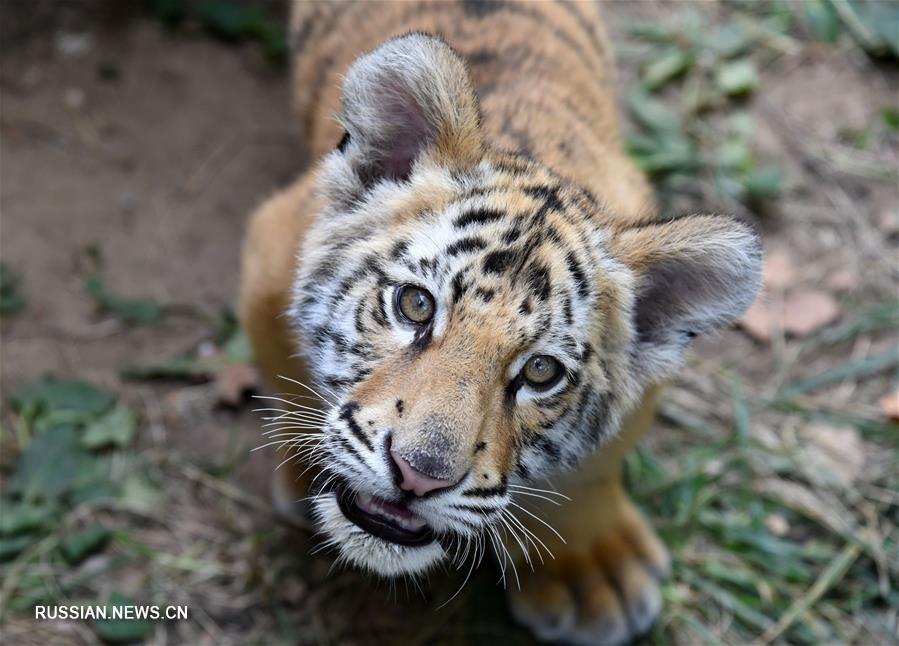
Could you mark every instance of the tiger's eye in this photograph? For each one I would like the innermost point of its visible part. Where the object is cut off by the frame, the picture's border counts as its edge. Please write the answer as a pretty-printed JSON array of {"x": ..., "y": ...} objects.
[
  {"x": 415, "y": 304},
  {"x": 542, "y": 371}
]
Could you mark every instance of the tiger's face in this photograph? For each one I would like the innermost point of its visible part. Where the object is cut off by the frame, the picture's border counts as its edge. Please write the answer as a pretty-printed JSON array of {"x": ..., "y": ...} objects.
[{"x": 475, "y": 320}]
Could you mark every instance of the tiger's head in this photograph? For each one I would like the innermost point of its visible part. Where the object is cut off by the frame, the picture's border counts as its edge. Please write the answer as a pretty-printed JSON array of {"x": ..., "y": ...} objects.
[{"x": 475, "y": 320}]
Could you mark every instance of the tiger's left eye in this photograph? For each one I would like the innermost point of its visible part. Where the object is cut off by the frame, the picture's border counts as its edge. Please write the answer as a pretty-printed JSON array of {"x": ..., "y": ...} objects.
[
  {"x": 542, "y": 371},
  {"x": 415, "y": 304}
]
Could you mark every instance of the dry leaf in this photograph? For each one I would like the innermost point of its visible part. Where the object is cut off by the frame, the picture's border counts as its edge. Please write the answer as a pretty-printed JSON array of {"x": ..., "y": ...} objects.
[
  {"x": 806, "y": 310},
  {"x": 889, "y": 405},
  {"x": 756, "y": 321},
  {"x": 778, "y": 271},
  {"x": 832, "y": 455},
  {"x": 842, "y": 280},
  {"x": 234, "y": 381}
]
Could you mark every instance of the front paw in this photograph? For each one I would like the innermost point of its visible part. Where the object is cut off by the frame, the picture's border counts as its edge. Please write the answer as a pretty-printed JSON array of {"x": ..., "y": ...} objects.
[{"x": 601, "y": 588}]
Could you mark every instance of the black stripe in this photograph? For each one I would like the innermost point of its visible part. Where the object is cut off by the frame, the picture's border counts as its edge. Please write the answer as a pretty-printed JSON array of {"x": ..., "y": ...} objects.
[
  {"x": 346, "y": 414},
  {"x": 577, "y": 272},
  {"x": 465, "y": 245},
  {"x": 487, "y": 492},
  {"x": 484, "y": 511},
  {"x": 498, "y": 262},
  {"x": 478, "y": 216}
]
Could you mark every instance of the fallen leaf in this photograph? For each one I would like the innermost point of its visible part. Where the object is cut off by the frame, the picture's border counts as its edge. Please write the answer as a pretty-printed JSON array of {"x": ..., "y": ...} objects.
[
  {"x": 115, "y": 428},
  {"x": 234, "y": 381},
  {"x": 756, "y": 322},
  {"x": 832, "y": 455},
  {"x": 62, "y": 396},
  {"x": 889, "y": 405},
  {"x": 77, "y": 547},
  {"x": 842, "y": 280},
  {"x": 806, "y": 310},
  {"x": 737, "y": 77},
  {"x": 122, "y": 631},
  {"x": 764, "y": 183},
  {"x": 778, "y": 271}
]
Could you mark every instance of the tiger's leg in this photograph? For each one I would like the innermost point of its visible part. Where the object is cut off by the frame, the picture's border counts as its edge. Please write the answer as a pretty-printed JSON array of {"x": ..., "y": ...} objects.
[
  {"x": 275, "y": 234},
  {"x": 604, "y": 584}
]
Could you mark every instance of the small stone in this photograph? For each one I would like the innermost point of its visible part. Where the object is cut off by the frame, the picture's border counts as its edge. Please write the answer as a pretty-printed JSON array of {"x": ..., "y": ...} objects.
[
  {"x": 73, "y": 45},
  {"x": 74, "y": 98}
]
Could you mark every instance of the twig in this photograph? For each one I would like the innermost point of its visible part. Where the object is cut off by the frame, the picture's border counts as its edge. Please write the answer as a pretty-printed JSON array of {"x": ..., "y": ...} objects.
[
  {"x": 229, "y": 490},
  {"x": 829, "y": 577}
]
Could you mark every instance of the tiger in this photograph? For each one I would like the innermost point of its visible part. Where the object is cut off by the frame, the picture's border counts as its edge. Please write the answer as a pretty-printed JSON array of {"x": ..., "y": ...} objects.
[{"x": 478, "y": 301}]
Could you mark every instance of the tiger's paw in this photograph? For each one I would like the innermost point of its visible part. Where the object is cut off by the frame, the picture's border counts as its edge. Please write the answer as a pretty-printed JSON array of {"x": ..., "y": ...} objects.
[{"x": 604, "y": 589}]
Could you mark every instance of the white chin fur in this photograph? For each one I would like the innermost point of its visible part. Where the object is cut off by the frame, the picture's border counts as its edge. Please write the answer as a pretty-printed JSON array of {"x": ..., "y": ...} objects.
[{"x": 369, "y": 552}]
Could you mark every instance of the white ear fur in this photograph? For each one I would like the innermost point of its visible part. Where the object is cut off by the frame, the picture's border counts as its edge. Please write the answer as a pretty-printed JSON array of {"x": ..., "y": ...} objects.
[
  {"x": 410, "y": 94},
  {"x": 693, "y": 275}
]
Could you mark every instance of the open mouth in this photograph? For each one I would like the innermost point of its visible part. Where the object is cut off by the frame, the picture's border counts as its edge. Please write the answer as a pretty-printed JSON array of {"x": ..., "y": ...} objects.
[{"x": 390, "y": 521}]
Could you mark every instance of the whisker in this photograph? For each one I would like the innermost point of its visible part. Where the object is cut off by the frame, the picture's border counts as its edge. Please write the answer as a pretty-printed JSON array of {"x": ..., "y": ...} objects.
[
  {"x": 546, "y": 491},
  {"x": 314, "y": 392},
  {"x": 539, "y": 520},
  {"x": 289, "y": 403},
  {"x": 537, "y": 495}
]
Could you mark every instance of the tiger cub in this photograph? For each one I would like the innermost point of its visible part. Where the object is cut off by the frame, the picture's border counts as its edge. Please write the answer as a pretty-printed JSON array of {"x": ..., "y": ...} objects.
[{"x": 474, "y": 283}]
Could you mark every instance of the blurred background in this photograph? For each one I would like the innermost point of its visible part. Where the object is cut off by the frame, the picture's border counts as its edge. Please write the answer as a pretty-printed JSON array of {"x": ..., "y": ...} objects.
[{"x": 138, "y": 136}]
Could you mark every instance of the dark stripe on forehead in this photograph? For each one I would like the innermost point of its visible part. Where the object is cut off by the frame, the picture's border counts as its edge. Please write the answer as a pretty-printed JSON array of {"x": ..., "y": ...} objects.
[
  {"x": 577, "y": 272},
  {"x": 549, "y": 195},
  {"x": 538, "y": 281},
  {"x": 498, "y": 262},
  {"x": 458, "y": 286},
  {"x": 399, "y": 249},
  {"x": 465, "y": 245},
  {"x": 478, "y": 216}
]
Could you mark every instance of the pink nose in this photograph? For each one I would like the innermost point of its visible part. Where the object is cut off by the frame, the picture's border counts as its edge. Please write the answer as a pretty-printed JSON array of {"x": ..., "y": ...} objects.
[{"x": 415, "y": 481}]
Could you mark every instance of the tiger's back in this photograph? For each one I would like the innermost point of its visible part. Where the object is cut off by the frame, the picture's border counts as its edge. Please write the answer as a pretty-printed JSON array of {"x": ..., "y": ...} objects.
[{"x": 542, "y": 72}]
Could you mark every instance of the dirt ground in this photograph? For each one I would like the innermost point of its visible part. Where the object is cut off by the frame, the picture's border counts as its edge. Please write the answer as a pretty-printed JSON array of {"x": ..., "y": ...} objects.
[{"x": 154, "y": 147}]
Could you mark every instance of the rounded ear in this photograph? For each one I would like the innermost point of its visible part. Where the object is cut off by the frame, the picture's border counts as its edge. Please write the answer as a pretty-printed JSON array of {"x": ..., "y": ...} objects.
[
  {"x": 410, "y": 94},
  {"x": 693, "y": 274}
]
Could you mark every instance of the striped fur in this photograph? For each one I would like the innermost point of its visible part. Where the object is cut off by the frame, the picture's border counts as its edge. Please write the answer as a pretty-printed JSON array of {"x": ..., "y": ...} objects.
[{"x": 484, "y": 166}]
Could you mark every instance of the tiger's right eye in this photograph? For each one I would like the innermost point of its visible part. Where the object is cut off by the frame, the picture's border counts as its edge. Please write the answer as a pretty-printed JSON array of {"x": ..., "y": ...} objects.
[
  {"x": 414, "y": 304},
  {"x": 542, "y": 372}
]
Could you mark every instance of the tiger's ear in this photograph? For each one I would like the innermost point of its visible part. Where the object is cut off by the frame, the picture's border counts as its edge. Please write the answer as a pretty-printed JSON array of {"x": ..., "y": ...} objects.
[
  {"x": 411, "y": 94},
  {"x": 693, "y": 275}
]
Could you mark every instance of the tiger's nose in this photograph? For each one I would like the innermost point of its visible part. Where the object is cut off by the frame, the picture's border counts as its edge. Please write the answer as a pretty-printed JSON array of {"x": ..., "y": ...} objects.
[{"x": 415, "y": 481}]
